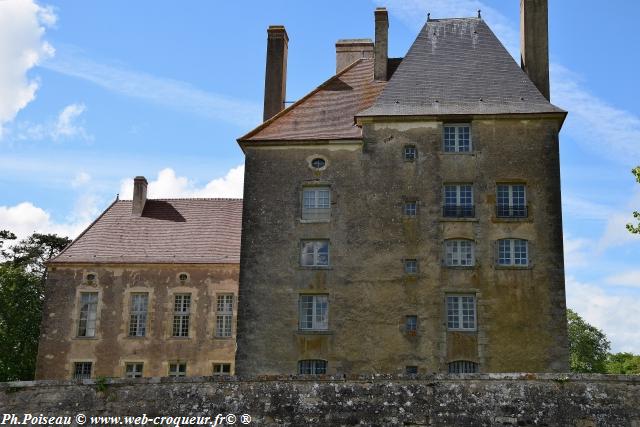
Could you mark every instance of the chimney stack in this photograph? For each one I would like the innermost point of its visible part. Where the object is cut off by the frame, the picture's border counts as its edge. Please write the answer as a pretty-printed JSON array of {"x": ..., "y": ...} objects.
[
  {"x": 349, "y": 51},
  {"x": 275, "y": 79},
  {"x": 381, "y": 46},
  {"x": 139, "y": 195},
  {"x": 534, "y": 42}
]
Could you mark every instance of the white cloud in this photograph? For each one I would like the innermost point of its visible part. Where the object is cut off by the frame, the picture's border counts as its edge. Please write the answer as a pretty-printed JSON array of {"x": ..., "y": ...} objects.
[
  {"x": 65, "y": 126},
  {"x": 630, "y": 279},
  {"x": 25, "y": 218},
  {"x": 80, "y": 179},
  {"x": 169, "y": 93},
  {"x": 615, "y": 314},
  {"x": 576, "y": 252},
  {"x": 169, "y": 185},
  {"x": 22, "y": 27},
  {"x": 616, "y": 233}
]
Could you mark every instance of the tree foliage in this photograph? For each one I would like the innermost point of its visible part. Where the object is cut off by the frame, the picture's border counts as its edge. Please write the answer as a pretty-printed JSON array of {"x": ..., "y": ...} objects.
[
  {"x": 588, "y": 346},
  {"x": 623, "y": 363},
  {"x": 635, "y": 229},
  {"x": 22, "y": 278}
]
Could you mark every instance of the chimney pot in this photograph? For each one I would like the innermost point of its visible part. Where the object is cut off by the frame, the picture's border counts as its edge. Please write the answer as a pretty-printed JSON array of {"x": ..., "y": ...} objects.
[
  {"x": 381, "y": 46},
  {"x": 275, "y": 80},
  {"x": 534, "y": 42},
  {"x": 349, "y": 51},
  {"x": 139, "y": 195}
]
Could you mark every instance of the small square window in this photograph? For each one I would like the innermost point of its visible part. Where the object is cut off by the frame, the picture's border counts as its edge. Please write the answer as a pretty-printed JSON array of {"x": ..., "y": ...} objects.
[
  {"x": 222, "y": 369},
  {"x": 315, "y": 253},
  {"x": 410, "y": 208},
  {"x": 411, "y": 266},
  {"x": 411, "y": 325},
  {"x": 411, "y": 370},
  {"x": 177, "y": 369},
  {"x": 410, "y": 153}
]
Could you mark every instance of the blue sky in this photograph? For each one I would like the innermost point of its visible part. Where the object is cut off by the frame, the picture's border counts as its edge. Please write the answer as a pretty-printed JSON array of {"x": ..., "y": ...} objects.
[{"x": 94, "y": 93}]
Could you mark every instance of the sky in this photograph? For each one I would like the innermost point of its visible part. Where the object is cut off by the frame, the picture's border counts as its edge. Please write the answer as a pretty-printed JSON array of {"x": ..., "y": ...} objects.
[{"x": 94, "y": 93}]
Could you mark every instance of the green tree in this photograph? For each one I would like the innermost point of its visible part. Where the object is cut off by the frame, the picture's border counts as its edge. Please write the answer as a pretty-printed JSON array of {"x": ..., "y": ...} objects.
[
  {"x": 623, "y": 363},
  {"x": 22, "y": 278},
  {"x": 636, "y": 215},
  {"x": 588, "y": 346}
]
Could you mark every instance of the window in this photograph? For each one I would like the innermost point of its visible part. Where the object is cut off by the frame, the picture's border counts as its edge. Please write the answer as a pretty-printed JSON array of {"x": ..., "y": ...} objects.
[
  {"x": 178, "y": 369},
  {"x": 318, "y": 163},
  {"x": 316, "y": 203},
  {"x": 181, "y": 314},
  {"x": 222, "y": 369},
  {"x": 463, "y": 367},
  {"x": 458, "y": 201},
  {"x": 411, "y": 370},
  {"x": 513, "y": 252},
  {"x": 459, "y": 253},
  {"x": 314, "y": 312},
  {"x": 312, "y": 367},
  {"x": 410, "y": 208},
  {"x": 224, "y": 315},
  {"x": 411, "y": 266},
  {"x": 133, "y": 370},
  {"x": 410, "y": 153},
  {"x": 91, "y": 277},
  {"x": 315, "y": 253},
  {"x": 457, "y": 138},
  {"x": 88, "y": 314},
  {"x": 183, "y": 277},
  {"x": 511, "y": 201},
  {"x": 411, "y": 325},
  {"x": 138, "y": 315},
  {"x": 461, "y": 312},
  {"x": 82, "y": 370}
]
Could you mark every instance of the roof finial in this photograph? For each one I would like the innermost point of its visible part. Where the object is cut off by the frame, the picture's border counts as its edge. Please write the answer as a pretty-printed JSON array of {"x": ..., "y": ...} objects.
[
  {"x": 428, "y": 16},
  {"x": 479, "y": 14}
]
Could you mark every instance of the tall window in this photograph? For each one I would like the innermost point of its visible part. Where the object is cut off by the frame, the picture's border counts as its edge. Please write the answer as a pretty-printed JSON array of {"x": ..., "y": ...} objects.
[
  {"x": 513, "y": 252},
  {"x": 458, "y": 201},
  {"x": 511, "y": 201},
  {"x": 224, "y": 315},
  {"x": 315, "y": 253},
  {"x": 314, "y": 312},
  {"x": 88, "y": 314},
  {"x": 181, "y": 315},
  {"x": 178, "y": 369},
  {"x": 138, "y": 315},
  {"x": 411, "y": 325},
  {"x": 133, "y": 370},
  {"x": 463, "y": 367},
  {"x": 316, "y": 203},
  {"x": 312, "y": 367},
  {"x": 459, "y": 253},
  {"x": 457, "y": 138},
  {"x": 82, "y": 370},
  {"x": 461, "y": 312},
  {"x": 410, "y": 208}
]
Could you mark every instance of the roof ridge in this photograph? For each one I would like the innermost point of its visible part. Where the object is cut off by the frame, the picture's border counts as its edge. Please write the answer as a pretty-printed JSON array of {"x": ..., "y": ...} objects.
[{"x": 190, "y": 198}]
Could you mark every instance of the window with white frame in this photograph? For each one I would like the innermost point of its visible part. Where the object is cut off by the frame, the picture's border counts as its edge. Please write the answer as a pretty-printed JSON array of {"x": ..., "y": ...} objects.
[
  {"x": 224, "y": 315},
  {"x": 461, "y": 312},
  {"x": 411, "y": 325},
  {"x": 314, "y": 312},
  {"x": 82, "y": 370},
  {"x": 178, "y": 369},
  {"x": 133, "y": 370},
  {"x": 411, "y": 266},
  {"x": 511, "y": 201},
  {"x": 88, "y": 314},
  {"x": 458, "y": 201},
  {"x": 410, "y": 208},
  {"x": 316, "y": 203},
  {"x": 410, "y": 153},
  {"x": 457, "y": 138},
  {"x": 181, "y": 315},
  {"x": 463, "y": 367},
  {"x": 222, "y": 369},
  {"x": 459, "y": 253},
  {"x": 312, "y": 367},
  {"x": 513, "y": 252},
  {"x": 138, "y": 308},
  {"x": 315, "y": 253}
]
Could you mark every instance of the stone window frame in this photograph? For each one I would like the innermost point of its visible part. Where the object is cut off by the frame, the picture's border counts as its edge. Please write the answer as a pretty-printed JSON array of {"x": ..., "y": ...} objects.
[
  {"x": 220, "y": 364},
  {"x": 322, "y": 214},
  {"x": 511, "y": 206},
  {"x": 408, "y": 270},
  {"x": 459, "y": 206},
  {"x": 310, "y": 159},
  {"x": 133, "y": 373},
  {"x": 82, "y": 290},
  {"x": 410, "y": 207},
  {"x": 445, "y": 248},
  {"x": 177, "y": 372},
  {"x": 74, "y": 368},
  {"x": 315, "y": 366},
  {"x": 459, "y": 315},
  {"x": 132, "y": 313},
  {"x": 303, "y": 314},
  {"x": 224, "y": 318},
  {"x": 410, "y": 153},
  {"x": 317, "y": 254},
  {"x": 456, "y": 142},
  {"x": 512, "y": 253},
  {"x": 180, "y": 316}
]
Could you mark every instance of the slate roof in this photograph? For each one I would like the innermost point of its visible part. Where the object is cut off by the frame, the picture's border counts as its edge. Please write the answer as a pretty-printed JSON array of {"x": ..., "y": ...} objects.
[
  {"x": 192, "y": 231},
  {"x": 328, "y": 111},
  {"x": 458, "y": 66}
]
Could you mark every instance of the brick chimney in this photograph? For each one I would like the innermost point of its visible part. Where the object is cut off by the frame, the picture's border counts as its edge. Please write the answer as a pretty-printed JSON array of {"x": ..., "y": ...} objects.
[
  {"x": 275, "y": 79},
  {"x": 534, "y": 42},
  {"x": 381, "y": 46},
  {"x": 139, "y": 195},
  {"x": 349, "y": 51}
]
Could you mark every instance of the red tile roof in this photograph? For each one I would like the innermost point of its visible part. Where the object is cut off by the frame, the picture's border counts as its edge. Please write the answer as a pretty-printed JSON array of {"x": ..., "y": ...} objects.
[
  {"x": 327, "y": 112},
  {"x": 192, "y": 231}
]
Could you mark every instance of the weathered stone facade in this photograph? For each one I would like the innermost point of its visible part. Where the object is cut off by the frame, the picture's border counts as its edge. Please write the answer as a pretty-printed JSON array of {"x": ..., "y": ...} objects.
[
  {"x": 439, "y": 400},
  {"x": 112, "y": 347}
]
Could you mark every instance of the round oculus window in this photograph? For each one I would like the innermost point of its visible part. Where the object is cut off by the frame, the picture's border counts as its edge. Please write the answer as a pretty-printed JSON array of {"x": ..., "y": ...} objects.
[
  {"x": 318, "y": 163},
  {"x": 183, "y": 277}
]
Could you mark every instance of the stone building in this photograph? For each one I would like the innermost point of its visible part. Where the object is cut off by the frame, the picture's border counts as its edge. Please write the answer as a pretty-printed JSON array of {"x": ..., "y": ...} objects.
[
  {"x": 149, "y": 289},
  {"x": 405, "y": 216}
]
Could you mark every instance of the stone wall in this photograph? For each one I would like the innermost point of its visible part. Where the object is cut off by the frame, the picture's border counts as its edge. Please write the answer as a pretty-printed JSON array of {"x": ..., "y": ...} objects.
[{"x": 478, "y": 399}]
